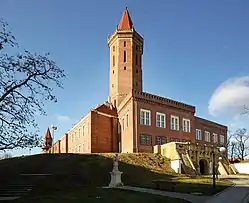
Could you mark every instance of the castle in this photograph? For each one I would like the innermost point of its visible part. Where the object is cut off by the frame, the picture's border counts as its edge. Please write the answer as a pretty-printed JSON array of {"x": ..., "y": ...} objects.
[{"x": 133, "y": 120}]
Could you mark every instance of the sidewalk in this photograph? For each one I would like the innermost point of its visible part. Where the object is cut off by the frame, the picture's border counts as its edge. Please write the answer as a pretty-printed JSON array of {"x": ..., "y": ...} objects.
[
  {"x": 188, "y": 197},
  {"x": 236, "y": 194}
]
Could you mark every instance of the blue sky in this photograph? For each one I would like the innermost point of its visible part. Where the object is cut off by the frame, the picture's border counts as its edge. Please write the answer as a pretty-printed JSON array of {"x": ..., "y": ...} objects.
[{"x": 191, "y": 48}]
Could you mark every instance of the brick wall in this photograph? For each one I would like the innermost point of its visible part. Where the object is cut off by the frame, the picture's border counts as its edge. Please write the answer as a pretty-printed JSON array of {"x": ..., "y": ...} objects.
[
  {"x": 155, "y": 131},
  {"x": 103, "y": 133}
]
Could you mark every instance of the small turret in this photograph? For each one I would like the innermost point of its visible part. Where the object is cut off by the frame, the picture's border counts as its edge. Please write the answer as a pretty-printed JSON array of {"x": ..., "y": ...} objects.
[{"x": 48, "y": 140}]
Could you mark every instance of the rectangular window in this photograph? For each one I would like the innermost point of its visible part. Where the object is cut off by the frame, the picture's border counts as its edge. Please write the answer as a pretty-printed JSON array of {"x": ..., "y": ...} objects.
[
  {"x": 88, "y": 127},
  {"x": 79, "y": 148},
  {"x": 113, "y": 60},
  {"x": 127, "y": 119},
  {"x": 222, "y": 139},
  {"x": 198, "y": 134},
  {"x": 136, "y": 60},
  {"x": 123, "y": 125},
  {"x": 174, "y": 122},
  {"x": 186, "y": 125},
  {"x": 160, "y": 120},
  {"x": 215, "y": 138},
  {"x": 124, "y": 56},
  {"x": 145, "y": 139},
  {"x": 79, "y": 133},
  {"x": 83, "y": 130},
  {"x": 145, "y": 117},
  {"x": 124, "y": 43},
  {"x": 119, "y": 127},
  {"x": 160, "y": 140},
  {"x": 207, "y": 136}
]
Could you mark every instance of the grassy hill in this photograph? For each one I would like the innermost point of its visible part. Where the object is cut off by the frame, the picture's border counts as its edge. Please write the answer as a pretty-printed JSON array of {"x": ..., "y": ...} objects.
[
  {"x": 90, "y": 168},
  {"x": 79, "y": 174}
]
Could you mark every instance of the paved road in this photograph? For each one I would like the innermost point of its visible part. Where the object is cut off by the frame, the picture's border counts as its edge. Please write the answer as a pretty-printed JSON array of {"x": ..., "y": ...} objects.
[{"x": 237, "y": 194}]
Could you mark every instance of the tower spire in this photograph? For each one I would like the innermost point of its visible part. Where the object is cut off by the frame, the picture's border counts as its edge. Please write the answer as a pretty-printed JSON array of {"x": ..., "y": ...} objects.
[
  {"x": 47, "y": 141},
  {"x": 125, "y": 21}
]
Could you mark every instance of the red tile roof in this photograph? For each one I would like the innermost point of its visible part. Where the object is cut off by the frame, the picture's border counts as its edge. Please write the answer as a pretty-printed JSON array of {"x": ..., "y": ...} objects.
[{"x": 125, "y": 22}]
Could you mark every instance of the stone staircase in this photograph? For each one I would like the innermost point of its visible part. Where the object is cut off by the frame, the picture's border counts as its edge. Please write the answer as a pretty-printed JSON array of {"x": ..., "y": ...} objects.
[
  {"x": 225, "y": 168},
  {"x": 187, "y": 165},
  {"x": 20, "y": 186}
]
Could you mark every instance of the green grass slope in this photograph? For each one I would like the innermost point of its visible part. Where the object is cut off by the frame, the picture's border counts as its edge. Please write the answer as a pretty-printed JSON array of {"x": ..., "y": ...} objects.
[{"x": 138, "y": 169}]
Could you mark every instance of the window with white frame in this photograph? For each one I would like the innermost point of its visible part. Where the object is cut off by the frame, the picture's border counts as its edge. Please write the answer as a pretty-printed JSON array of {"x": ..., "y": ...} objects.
[
  {"x": 79, "y": 132},
  {"x": 186, "y": 125},
  {"x": 145, "y": 139},
  {"x": 215, "y": 138},
  {"x": 160, "y": 140},
  {"x": 207, "y": 136},
  {"x": 160, "y": 120},
  {"x": 174, "y": 122},
  {"x": 127, "y": 119},
  {"x": 198, "y": 134},
  {"x": 145, "y": 118},
  {"x": 222, "y": 139}
]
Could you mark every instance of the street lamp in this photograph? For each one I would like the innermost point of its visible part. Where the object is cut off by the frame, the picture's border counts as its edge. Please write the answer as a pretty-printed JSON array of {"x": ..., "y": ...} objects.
[
  {"x": 54, "y": 128},
  {"x": 222, "y": 150}
]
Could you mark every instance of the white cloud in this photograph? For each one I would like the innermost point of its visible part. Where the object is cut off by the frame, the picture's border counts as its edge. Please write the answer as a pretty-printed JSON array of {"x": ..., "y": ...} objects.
[
  {"x": 62, "y": 118},
  {"x": 230, "y": 97}
]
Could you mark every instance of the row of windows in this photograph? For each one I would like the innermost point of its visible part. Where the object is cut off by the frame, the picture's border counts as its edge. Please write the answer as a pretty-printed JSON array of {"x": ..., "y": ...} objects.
[
  {"x": 145, "y": 119},
  {"x": 125, "y": 121},
  {"x": 146, "y": 139},
  {"x": 81, "y": 132},
  {"x": 136, "y": 60},
  {"x": 79, "y": 148},
  {"x": 207, "y": 137},
  {"x": 113, "y": 48},
  {"x": 113, "y": 59}
]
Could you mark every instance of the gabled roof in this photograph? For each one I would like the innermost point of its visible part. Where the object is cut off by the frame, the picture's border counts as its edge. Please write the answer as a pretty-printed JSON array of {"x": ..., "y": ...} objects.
[
  {"x": 104, "y": 108},
  {"x": 125, "y": 21}
]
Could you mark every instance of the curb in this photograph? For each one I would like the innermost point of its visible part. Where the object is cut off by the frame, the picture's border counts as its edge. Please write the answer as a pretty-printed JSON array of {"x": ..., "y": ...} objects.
[{"x": 222, "y": 192}]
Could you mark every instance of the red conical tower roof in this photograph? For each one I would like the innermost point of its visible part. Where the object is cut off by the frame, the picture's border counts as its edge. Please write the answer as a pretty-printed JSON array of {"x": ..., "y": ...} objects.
[
  {"x": 125, "y": 22},
  {"x": 48, "y": 134}
]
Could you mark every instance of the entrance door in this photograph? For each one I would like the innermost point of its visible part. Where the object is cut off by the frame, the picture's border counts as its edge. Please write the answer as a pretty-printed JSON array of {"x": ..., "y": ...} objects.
[{"x": 203, "y": 167}]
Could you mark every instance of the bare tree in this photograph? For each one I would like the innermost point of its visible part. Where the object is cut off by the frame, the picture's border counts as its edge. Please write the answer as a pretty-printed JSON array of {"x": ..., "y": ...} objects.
[
  {"x": 242, "y": 143},
  {"x": 246, "y": 110},
  {"x": 232, "y": 148},
  {"x": 26, "y": 82},
  {"x": 229, "y": 144},
  {"x": 6, "y": 155}
]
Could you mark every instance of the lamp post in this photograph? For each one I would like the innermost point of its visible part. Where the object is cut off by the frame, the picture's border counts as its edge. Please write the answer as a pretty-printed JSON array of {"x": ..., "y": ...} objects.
[
  {"x": 222, "y": 150},
  {"x": 54, "y": 128}
]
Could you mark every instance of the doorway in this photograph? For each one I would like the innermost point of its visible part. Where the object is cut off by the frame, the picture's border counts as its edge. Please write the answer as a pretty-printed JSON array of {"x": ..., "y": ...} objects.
[{"x": 203, "y": 167}]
